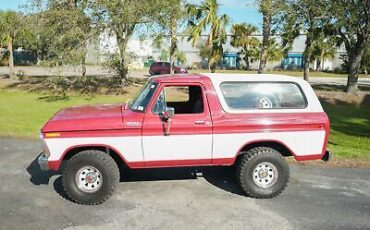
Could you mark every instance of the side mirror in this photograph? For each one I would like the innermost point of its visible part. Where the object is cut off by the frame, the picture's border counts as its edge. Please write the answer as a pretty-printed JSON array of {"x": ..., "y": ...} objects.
[{"x": 168, "y": 113}]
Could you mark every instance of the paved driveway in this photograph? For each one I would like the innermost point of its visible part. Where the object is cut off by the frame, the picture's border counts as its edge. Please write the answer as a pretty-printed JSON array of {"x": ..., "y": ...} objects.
[
  {"x": 208, "y": 198},
  {"x": 341, "y": 82},
  {"x": 100, "y": 71}
]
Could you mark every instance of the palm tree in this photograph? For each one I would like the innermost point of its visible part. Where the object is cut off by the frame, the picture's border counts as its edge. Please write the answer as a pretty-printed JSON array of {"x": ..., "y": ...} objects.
[
  {"x": 241, "y": 37},
  {"x": 173, "y": 13},
  {"x": 205, "y": 18},
  {"x": 267, "y": 10},
  {"x": 180, "y": 56},
  {"x": 274, "y": 51},
  {"x": 323, "y": 49}
]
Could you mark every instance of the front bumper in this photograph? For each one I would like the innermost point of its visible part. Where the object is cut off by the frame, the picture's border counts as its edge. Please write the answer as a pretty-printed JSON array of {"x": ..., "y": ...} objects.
[
  {"x": 327, "y": 156},
  {"x": 43, "y": 162}
]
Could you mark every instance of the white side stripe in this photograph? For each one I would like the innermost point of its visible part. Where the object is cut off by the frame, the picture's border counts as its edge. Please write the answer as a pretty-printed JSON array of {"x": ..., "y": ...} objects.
[
  {"x": 182, "y": 147},
  {"x": 302, "y": 143},
  {"x": 129, "y": 147}
]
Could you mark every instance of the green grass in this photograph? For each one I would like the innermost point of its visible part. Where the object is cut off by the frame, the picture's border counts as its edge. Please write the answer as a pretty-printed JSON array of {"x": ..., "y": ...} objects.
[
  {"x": 350, "y": 130},
  {"x": 22, "y": 114}
]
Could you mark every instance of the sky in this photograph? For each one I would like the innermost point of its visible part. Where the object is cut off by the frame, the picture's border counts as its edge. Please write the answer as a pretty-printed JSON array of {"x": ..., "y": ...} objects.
[
  {"x": 10, "y": 4},
  {"x": 237, "y": 10}
]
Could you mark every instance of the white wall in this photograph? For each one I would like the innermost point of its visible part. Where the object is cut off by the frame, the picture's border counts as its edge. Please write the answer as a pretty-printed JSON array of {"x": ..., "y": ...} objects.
[{"x": 144, "y": 48}]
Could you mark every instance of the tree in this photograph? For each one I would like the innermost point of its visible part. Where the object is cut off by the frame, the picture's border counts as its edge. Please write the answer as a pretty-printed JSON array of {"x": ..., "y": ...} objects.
[
  {"x": 37, "y": 38},
  {"x": 164, "y": 55},
  {"x": 180, "y": 57},
  {"x": 205, "y": 52},
  {"x": 10, "y": 27},
  {"x": 171, "y": 18},
  {"x": 204, "y": 18},
  {"x": 309, "y": 17},
  {"x": 70, "y": 29},
  {"x": 273, "y": 51},
  {"x": 241, "y": 37},
  {"x": 323, "y": 48},
  {"x": 267, "y": 8},
  {"x": 121, "y": 18},
  {"x": 352, "y": 25}
]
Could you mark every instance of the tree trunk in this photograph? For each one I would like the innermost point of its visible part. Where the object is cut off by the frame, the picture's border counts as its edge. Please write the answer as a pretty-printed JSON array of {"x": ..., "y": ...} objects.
[
  {"x": 173, "y": 45},
  {"x": 247, "y": 65},
  {"x": 355, "y": 55},
  {"x": 11, "y": 59},
  {"x": 306, "y": 68},
  {"x": 266, "y": 28},
  {"x": 307, "y": 57},
  {"x": 322, "y": 65},
  {"x": 318, "y": 64},
  {"x": 246, "y": 60},
  {"x": 122, "y": 70},
  {"x": 83, "y": 68},
  {"x": 38, "y": 54},
  {"x": 213, "y": 67},
  {"x": 122, "y": 40},
  {"x": 352, "y": 80}
]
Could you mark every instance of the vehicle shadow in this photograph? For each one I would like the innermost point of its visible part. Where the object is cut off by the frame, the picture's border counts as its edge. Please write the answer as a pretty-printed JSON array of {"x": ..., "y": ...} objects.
[
  {"x": 223, "y": 178},
  {"x": 132, "y": 175},
  {"x": 39, "y": 177},
  {"x": 220, "y": 177},
  {"x": 58, "y": 187}
]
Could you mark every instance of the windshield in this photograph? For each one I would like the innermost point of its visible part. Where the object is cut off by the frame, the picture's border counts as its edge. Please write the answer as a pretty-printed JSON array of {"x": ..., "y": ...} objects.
[{"x": 143, "y": 98}]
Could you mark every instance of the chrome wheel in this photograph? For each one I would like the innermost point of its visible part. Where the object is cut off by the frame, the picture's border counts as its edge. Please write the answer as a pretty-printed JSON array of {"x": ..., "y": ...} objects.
[
  {"x": 88, "y": 179},
  {"x": 265, "y": 175}
]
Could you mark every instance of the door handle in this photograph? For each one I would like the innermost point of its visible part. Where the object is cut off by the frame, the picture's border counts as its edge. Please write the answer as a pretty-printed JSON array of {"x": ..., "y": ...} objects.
[{"x": 200, "y": 122}]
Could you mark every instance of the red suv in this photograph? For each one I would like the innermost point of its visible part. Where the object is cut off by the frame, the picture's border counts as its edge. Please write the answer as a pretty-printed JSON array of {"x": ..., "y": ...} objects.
[{"x": 158, "y": 68}]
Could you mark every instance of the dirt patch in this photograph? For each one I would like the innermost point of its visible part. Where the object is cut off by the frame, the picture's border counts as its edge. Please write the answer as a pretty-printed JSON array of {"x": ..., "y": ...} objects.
[
  {"x": 361, "y": 99},
  {"x": 335, "y": 162},
  {"x": 5, "y": 81}
]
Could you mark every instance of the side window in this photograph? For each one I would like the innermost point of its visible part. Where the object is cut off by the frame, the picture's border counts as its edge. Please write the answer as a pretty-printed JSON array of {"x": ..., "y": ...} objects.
[
  {"x": 263, "y": 95},
  {"x": 184, "y": 99}
]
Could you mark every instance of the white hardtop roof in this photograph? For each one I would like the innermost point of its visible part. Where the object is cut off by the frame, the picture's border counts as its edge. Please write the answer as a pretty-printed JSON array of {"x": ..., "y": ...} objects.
[
  {"x": 221, "y": 77},
  {"x": 217, "y": 78}
]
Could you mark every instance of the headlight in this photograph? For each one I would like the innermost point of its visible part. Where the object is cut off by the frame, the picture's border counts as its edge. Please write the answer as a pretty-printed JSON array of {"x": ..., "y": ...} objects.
[{"x": 45, "y": 148}]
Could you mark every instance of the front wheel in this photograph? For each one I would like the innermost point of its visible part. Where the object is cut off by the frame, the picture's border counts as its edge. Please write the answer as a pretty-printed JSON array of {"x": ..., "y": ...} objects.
[
  {"x": 90, "y": 177},
  {"x": 262, "y": 172}
]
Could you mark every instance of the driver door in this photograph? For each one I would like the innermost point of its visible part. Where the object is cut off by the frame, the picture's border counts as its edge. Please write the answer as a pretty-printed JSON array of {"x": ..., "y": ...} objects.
[{"x": 189, "y": 138}]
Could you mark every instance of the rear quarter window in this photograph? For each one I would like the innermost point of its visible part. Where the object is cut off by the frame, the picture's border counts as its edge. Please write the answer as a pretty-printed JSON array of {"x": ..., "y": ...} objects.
[{"x": 263, "y": 95}]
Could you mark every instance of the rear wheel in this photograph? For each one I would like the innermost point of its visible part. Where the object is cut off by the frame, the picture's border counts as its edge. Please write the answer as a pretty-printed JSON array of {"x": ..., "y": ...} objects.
[
  {"x": 262, "y": 172},
  {"x": 90, "y": 177}
]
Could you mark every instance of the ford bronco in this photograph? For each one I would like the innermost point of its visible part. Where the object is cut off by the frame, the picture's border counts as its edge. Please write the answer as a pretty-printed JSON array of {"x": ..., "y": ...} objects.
[{"x": 251, "y": 122}]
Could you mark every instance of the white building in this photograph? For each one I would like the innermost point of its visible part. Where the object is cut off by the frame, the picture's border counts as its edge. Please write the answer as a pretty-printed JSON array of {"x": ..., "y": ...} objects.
[
  {"x": 142, "y": 50},
  {"x": 99, "y": 50}
]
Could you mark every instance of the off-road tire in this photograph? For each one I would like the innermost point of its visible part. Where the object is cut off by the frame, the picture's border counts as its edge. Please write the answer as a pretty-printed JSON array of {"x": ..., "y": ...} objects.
[
  {"x": 249, "y": 160},
  {"x": 99, "y": 160}
]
